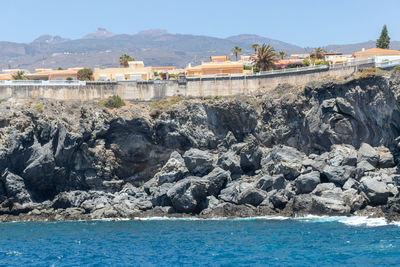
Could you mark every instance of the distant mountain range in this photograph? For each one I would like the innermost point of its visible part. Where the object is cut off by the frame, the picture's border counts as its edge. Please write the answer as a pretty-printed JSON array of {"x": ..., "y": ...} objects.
[{"x": 155, "y": 47}]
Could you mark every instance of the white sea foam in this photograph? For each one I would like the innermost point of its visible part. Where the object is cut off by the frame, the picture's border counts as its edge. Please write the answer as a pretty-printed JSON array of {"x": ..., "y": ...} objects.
[{"x": 351, "y": 221}]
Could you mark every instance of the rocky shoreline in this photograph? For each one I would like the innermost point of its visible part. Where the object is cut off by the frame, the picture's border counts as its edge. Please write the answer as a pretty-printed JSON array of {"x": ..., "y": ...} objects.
[{"x": 331, "y": 148}]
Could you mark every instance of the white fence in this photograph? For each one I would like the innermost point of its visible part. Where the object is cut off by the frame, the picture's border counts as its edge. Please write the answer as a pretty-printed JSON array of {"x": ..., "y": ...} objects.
[{"x": 41, "y": 83}]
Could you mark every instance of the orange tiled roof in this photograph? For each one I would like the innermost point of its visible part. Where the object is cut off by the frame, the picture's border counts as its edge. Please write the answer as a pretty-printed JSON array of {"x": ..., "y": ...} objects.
[
  {"x": 377, "y": 51},
  {"x": 5, "y": 77},
  {"x": 52, "y": 72},
  {"x": 164, "y": 68}
]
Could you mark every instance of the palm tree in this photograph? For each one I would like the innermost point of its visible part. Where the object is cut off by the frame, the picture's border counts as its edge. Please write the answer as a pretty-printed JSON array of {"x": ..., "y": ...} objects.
[
  {"x": 318, "y": 53},
  {"x": 124, "y": 59},
  {"x": 265, "y": 57},
  {"x": 255, "y": 47},
  {"x": 282, "y": 54},
  {"x": 19, "y": 75},
  {"x": 236, "y": 51}
]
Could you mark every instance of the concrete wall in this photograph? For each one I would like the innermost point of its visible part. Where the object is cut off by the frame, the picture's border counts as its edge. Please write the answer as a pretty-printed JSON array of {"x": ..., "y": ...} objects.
[{"x": 155, "y": 90}]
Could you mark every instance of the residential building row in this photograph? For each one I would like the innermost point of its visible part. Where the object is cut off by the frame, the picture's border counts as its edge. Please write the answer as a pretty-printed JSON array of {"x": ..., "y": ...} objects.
[{"x": 218, "y": 65}]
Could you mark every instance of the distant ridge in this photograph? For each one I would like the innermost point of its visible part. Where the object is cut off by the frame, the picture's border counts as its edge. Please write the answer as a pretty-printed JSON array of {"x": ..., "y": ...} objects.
[{"x": 156, "y": 47}]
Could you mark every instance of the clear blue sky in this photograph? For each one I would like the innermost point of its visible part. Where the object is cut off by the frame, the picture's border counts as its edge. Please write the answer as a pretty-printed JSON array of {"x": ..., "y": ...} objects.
[{"x": 301, "y": 22}]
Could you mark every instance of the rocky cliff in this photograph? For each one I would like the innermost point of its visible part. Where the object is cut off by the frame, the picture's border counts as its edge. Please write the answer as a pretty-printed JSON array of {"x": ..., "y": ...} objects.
[{"x": 330, "y": 148}]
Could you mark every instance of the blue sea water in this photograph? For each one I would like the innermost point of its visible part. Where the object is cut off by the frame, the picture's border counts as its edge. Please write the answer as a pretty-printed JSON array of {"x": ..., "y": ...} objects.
[{"x": 312, "y": 241}]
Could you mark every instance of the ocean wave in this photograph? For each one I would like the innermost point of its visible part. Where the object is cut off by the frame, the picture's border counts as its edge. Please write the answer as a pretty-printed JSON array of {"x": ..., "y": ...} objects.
[{"x": 347, "y": 220}]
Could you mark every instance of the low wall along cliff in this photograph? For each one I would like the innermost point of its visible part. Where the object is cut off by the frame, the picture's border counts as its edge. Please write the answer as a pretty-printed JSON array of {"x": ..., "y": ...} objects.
[{"x": 155, "y": 90}]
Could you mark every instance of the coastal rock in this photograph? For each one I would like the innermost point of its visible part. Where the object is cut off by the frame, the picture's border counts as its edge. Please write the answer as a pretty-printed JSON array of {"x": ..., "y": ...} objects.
[
  {"x": 338, "y": 175},
  {"x": 377, "y": 192},
  {"x": 342, "y": 155},
  {"x": 173, "y": 171},
  {"x": 283, "y": 160},
  {"x": 368, "y": 153},
  {"x": 14, "y": 187},
  {"x": 268, "y": 182},
  {"x": 250, "y": 156},
  {"x": 198, "y": 162},
  {"x": 386, "y": 159},
  {"x": 230, "y": 161},
  {"x": 306, "y": 183},
  {"x": 252, "y": 196}
]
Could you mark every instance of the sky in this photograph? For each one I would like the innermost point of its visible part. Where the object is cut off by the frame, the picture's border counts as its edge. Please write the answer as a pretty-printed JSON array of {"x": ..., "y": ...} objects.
[{"x": 307, "y": 23}]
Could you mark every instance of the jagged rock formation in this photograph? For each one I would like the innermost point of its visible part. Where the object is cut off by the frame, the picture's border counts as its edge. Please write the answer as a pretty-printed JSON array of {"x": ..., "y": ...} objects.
[{"x": 331, "y": 148}]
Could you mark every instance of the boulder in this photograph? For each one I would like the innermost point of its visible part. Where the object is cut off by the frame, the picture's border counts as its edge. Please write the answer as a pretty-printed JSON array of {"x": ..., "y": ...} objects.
[
  {"x": 230, "y": 161},
  {"x": 329, "y": 206},
  {"x": 323, "y": 187},
  {"x": 342, "y": 155},
  {"x": 306, "y": 183},
  {"x": 250, "y": 156},
  {"x": 188, "y": 194},
  {"x": 376, "y": 191},
  {"x": 351, "y": 184},
  {"x": 283, "y": 160},
  {"x": 338, "y": 175},
  {"x": 386, "y": 159},
  {"x": 233, "y": 190},
  {"x": 198, "y": 162},
  {"x": 216, "y": 180},
  {"x": 14, "y": 187},
  {"x": 368, "y": 153},
  {"x": 66, "y": 200},
  {"x": 268, "y": 182},
  {"x": 158, "y": 195},
  {"x": 252, "y": 196},
  {"x": 319, "y": 161},
  {"x": 173, "y": 171},
  {"x": 362, "y": 168},
  {"x": 278, "y": 198}
]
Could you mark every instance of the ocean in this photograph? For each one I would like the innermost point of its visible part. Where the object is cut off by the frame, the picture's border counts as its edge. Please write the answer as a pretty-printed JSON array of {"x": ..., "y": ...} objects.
[{"x": 263, "y": 241}]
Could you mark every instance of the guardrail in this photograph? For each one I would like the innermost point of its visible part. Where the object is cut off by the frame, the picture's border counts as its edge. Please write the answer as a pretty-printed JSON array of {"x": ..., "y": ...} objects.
[
  {"x": 41, "y": 83},
  {"x": 388, "y": 64}
]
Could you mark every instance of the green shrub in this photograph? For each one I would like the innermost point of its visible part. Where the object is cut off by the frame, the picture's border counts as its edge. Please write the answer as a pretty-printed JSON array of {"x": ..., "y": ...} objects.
[
  {"x": 69, "y": 79},
  {"x": 112, "y": 102},
  {"x": 164, "y": 104},
  {"x": 38, "y": 107},
  {"x": 2, "y": 100},
  {"x": 370, "y": 72},
  {"x": 396, "y": 69},
  {"x": 246, "y": 67}
]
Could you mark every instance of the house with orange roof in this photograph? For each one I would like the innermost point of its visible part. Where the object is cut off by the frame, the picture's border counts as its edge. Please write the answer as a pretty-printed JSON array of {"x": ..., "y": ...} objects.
[
  {"x": 375, "y": 52},
  {"x": 6, "y": 77},
  {"x": 217, "y": 65},
  {"x": 53, "y": 75}
]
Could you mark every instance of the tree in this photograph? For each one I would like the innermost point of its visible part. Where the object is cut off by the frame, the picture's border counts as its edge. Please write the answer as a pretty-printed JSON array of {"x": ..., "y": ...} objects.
[
  {"x": 59, "y": 68},
  {"x": 265, "y": 57},
  {"x": 384, "y": 40},
  {"x": 85, "y": 75},
  {"x": 124, "y": 59},
  {"x": 19, "y": 75},
  {"x": 236, "y": 51},
  {"x": 282, "y": 54},
  {"x": 318, "y": 53},
  {"x": 255, "y": 47}
]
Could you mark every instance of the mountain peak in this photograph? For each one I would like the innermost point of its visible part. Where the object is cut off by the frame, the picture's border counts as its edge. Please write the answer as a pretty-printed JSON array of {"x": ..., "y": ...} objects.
[
  {"x": 101, "y": 33},
  {"x": 49, "y": 39}
]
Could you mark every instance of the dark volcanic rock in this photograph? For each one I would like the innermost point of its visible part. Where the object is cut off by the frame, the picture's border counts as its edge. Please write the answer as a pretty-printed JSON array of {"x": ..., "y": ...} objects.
[
  {"x": 306, "y": 183},
  {"x": 198, "y": 162}
]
